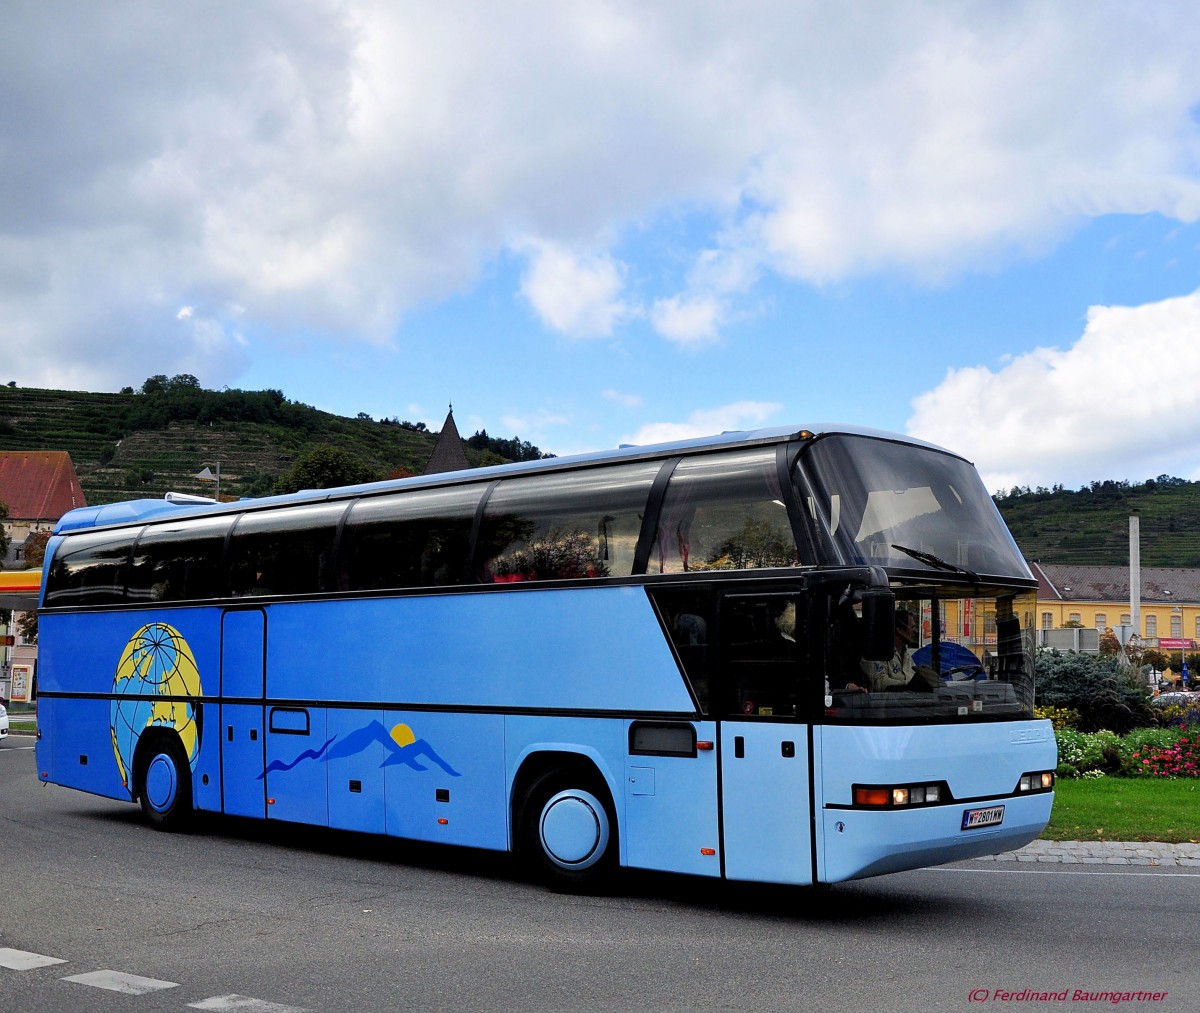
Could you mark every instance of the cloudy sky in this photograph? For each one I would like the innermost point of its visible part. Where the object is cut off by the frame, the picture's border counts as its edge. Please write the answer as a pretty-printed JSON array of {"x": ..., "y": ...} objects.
[{"x": 612, "y": 222}]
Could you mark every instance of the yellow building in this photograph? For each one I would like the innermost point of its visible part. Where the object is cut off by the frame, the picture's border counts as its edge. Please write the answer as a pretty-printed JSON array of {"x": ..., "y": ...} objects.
[{"x": 1097, "y": 597}]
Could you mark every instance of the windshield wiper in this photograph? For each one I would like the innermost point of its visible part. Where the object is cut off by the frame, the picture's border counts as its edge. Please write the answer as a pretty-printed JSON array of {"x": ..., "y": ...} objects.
[{"x": 929, "y": 559}]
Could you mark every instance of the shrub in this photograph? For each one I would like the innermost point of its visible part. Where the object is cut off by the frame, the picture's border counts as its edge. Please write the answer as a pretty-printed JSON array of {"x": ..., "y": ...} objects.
[
  {"x": 1179, "y": 714},
  {"x": 1104, "y": 695},
  {"x": 1070, "y": 752},
  {"x": 1060, "y": 717}
]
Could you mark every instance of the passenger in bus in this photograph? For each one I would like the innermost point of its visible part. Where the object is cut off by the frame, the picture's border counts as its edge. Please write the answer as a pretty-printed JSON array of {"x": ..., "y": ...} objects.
[{"x": 899, "y": 672}]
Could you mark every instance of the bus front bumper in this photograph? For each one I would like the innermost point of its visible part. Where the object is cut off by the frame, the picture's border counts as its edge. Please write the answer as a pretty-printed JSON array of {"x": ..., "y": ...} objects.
[{"x": 861, "y": 843}]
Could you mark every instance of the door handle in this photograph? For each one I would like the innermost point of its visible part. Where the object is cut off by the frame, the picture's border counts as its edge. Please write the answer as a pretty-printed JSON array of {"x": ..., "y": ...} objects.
[{"x": 739, "y": 747}]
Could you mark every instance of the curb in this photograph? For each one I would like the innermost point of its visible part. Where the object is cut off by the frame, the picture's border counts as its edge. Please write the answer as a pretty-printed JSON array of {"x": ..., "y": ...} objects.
[{"x": 1147, "y": 853}]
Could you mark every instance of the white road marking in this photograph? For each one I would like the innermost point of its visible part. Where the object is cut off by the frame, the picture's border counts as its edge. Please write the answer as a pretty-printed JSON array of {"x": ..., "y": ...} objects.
[
  {"x": 118, "y": 981},
  {"x": 23, "y": 960},
  {"x": 243, "y": 1002}
]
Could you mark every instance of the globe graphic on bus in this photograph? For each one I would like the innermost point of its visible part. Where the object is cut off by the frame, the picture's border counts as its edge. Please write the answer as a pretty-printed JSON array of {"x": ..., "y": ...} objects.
[{"x": 156, "y": 672}]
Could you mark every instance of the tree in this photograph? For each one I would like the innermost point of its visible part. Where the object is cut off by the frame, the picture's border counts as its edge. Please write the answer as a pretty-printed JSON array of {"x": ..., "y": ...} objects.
[
  {"x": 1105, "y": 696},
  {"x": 1156, "y": 659},
  {"x": 325, "y": 467},
  {"x": 1109, "y": 644},
  {"x": 35, "y": 549},
  {"x": 27, "y": 626}
]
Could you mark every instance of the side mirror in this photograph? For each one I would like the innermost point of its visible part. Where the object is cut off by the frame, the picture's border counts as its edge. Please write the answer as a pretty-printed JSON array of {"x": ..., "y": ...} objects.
[{"x": 879, "y": 625}]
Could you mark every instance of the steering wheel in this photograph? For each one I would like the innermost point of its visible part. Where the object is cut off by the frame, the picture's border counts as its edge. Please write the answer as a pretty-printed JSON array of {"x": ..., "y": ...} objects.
[{"x": 951, "y": 673}]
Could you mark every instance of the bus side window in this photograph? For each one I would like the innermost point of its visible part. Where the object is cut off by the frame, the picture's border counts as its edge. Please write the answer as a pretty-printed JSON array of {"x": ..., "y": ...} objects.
[
  {"x": 179, "y": 561},
  {"x": 686, "y": 617},
  {"x": 578, "y": 525},
  {"x": 723, "y": 512},
  {"x": 89, "y": 569},
  {"x": 415, "y": 539},
  {"x": 759, "y": 650},
  {"x": 284, "y": 551}
]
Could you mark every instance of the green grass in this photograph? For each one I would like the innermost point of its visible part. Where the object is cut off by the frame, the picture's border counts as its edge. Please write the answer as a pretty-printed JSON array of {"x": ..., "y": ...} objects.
[{"x": 1126, "y": 809}]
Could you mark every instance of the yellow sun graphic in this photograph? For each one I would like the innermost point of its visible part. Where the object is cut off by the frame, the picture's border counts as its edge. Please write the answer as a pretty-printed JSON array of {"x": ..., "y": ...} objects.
[{"x": 403, "y": 735}]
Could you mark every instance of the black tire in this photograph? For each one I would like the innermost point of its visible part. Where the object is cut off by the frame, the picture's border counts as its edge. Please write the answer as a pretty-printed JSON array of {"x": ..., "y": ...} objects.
[
  {"x": 567, "y": 831},
  {"x": 164, "y": 784}
]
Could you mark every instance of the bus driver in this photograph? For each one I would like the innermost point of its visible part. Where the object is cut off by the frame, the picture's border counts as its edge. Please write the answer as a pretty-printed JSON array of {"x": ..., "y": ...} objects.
[{"x": 899, "y": 672}]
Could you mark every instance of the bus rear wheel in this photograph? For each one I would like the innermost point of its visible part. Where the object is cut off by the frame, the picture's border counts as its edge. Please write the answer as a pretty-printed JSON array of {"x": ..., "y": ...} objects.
[
  {"x": 568, "y": 834},
  {"x": 164, "y": 785}
]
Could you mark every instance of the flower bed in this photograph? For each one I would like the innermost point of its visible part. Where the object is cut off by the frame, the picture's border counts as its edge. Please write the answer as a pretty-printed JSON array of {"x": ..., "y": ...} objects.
[{"x": 1144, "y": 752}]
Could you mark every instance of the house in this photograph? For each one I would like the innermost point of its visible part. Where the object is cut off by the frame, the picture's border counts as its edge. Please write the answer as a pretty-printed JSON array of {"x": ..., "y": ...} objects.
[{"x": 38, "y": 487}]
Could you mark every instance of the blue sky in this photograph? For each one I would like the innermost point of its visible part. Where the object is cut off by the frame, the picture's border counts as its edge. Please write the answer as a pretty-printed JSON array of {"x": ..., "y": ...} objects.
[{"x": 598, "y": 223}]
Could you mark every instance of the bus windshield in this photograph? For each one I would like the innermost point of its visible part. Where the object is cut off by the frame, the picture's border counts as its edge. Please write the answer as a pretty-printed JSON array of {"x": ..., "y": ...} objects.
[
  {"x": 956, "y": 658},
  {"x": 883, "y": 503}
]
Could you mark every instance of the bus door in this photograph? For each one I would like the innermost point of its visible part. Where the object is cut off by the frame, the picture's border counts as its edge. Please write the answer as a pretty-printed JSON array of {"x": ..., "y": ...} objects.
[
  {"x": 243, "y": 657},
  {"x": 766, "y": 803}
]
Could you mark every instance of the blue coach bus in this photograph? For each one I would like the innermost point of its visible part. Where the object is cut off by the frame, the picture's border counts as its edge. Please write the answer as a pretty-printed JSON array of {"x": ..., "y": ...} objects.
[{"x": 735, "y": 657}]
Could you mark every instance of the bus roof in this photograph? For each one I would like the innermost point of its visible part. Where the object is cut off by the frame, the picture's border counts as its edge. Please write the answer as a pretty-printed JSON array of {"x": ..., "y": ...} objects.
[{"x": 139, "y": 510}]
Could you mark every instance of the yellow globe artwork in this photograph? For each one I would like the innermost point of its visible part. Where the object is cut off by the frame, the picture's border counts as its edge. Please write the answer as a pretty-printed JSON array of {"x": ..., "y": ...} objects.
[{"x": 155, "y": 685}]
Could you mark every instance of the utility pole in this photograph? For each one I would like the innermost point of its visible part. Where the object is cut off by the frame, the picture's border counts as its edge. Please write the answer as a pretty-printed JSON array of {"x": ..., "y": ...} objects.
[{"x": 1135, "y": 574}]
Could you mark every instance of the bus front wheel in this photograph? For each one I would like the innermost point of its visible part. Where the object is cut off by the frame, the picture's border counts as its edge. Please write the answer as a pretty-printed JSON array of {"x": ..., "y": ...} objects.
[
  {"x": 164, "y": 785},
  {"x": 568, "y": 835}
]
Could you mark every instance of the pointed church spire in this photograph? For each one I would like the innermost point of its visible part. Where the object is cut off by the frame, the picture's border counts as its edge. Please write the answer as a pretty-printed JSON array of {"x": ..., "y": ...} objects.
[{"x": 448, "y": 453}]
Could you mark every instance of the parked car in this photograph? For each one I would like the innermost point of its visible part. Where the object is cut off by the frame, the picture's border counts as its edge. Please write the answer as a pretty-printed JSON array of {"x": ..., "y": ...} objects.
[
  {"x": 1174, "y": 697},
  {"x": 3, "y": 721}
]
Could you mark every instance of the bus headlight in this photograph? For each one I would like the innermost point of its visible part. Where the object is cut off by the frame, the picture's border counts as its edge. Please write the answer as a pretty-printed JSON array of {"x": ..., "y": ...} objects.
[
  {"x": 1041, "y": 780},
  {"x": 900, "y": 796}
]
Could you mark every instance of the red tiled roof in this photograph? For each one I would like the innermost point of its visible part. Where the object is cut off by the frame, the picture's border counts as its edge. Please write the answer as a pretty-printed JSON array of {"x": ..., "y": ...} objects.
[{"x": 38, "y": 485}]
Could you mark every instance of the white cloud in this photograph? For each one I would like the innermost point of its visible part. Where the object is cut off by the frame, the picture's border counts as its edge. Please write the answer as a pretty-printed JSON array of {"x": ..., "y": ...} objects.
[
  {"x": 328, "y": 167},
  {"x": 1123, "y": 402},
  {"x": 707, "y": 422},
  {"x": 576, "y": 294},
  {"x": 687, "y": 320}
]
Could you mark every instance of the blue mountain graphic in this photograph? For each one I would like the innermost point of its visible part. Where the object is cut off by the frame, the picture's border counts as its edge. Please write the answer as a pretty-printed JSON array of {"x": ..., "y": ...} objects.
[
  {"x": 359, "y": 740},
  {"x": 409, "y": 754},
  {"x": 308, "y": 754}
]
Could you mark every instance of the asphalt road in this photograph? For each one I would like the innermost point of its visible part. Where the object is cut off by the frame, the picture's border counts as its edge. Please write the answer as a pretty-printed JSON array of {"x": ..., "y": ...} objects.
[{"x": 275, "y": 917}]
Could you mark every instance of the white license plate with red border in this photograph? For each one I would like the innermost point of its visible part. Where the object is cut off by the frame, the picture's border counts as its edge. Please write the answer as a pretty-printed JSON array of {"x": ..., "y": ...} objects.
[{"x": 992, "y": 816}]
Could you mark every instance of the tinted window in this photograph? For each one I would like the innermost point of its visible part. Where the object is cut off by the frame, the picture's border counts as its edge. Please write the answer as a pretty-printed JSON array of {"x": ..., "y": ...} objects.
[
  {"x": 723, "y": 512},
  {"x": 761, "y": 638},
  {"x": 88, "y": 569},
  {"x": 565, "y": 526},
  {"x": 414, "y": 539},
  {"x": 877, "y": 498},
  {"x": 686, "y": 614},
  {"x": 180, "y": 561},
  {"x": 284, "y": 551}
]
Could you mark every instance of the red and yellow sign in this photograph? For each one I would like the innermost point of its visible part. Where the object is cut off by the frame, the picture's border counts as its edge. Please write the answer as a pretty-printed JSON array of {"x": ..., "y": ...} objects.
[{"x": 19, "y": 589}]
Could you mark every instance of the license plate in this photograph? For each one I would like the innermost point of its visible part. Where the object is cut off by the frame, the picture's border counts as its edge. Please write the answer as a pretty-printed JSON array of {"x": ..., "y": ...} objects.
[{"x": 990, "y": 817}]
